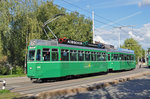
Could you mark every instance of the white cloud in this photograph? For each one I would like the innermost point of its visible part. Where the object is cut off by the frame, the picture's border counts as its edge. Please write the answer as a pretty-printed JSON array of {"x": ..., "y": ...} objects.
[
  {"x": 135, "y": 37},
  {"x": 144, "y": 3},
  {"x": 99, "y": 39},
  {"x": 142, "y": 35}
]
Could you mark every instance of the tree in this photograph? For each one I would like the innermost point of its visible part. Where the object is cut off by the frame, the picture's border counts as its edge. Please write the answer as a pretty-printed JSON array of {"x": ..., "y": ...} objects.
[
  {"x": 22, "y": 20},
  {"x": 134, "y": 45}
]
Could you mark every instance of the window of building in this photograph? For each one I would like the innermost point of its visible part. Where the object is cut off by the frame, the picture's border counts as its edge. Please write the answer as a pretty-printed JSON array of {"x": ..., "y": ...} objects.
[
  {"x": 81, "y": 55},
  {"x": 54, "y": 54},
  {"x": 46, "y": 54},
  {"x": 31, "y": 55},
  {"x": 64, "y": 55},
  {"x": 73, "y": 55},
  {"x": 38, "y": 55},
  {"x": 87, "y": 56}
]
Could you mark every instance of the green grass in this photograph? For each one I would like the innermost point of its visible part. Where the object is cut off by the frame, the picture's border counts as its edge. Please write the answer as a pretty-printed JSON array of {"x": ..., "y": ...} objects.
[
  {"x": 9, "y": 76},
  {"x": 6, "y": 94}
]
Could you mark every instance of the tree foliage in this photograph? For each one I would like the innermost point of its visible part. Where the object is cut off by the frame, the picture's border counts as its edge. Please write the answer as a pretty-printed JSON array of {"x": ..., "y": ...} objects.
[
  {"x": 134, "y": 45},
  {"x": 22, "y": 20}
]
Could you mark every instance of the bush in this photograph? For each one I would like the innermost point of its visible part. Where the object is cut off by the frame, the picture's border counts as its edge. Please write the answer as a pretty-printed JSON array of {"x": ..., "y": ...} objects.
[
  {"x": 4, "y": 67},
  {"x": 18, "y": 70},
  {"x": 4, "y": 70}
]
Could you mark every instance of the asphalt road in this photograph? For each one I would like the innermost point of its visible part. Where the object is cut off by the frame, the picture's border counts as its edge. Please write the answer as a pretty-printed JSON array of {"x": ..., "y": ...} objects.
[
  {"x": 24, "y": 86},
  {"x": 133, "y": 89}
]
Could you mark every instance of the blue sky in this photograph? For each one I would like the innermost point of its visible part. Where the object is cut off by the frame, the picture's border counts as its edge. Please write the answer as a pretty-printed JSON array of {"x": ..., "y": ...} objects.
[{"x": 114, "y": 13}]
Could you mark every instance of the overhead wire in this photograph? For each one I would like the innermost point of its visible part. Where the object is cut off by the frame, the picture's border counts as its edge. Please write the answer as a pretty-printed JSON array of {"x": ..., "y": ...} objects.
[
  {"x": 96, "y": 15},
  {"x": 88, "y": 16},
  {"x": 90, "y": 12}
]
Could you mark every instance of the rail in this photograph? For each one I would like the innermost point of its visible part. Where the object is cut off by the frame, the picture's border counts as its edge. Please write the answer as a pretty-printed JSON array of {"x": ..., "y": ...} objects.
[{"x": 4, "y": 84}]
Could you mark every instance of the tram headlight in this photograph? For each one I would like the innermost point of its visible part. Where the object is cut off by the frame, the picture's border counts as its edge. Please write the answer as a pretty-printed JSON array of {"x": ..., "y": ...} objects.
[{"x": 30, "y": 67}]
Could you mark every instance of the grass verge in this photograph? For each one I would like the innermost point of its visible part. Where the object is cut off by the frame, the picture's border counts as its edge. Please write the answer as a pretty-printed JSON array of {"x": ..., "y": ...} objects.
[
  {"x": 9, "y": 76},
  {"x": 6, "y": 94}
]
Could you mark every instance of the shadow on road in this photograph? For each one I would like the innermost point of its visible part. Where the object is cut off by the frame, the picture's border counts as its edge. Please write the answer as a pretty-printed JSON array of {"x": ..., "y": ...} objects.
[{"x": 134, "y": 89}]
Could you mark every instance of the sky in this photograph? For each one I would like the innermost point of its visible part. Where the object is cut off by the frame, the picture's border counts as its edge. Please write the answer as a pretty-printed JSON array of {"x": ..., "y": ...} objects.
[{"x": 133, "y": 16}]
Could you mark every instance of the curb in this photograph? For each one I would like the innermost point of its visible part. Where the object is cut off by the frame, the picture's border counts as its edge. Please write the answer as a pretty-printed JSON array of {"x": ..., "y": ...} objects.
[{"x": 88, "y": 87}]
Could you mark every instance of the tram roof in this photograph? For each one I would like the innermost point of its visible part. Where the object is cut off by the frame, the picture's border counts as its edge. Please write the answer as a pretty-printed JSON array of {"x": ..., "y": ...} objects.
[{"x": 36, "y": 42}]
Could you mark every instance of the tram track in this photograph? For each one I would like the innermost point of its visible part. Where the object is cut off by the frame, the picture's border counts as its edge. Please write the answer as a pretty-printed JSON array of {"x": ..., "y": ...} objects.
[
  {"x": 35, "y": 88},
  {"x": 51, "y": 84}
]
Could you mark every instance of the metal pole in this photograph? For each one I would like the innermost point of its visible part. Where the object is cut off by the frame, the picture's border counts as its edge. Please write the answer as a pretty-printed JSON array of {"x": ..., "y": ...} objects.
[
  {"x": 46, "y": 34},
  {"x": 25, "y": 64},
  {"x": 120, "y": 27},
  {"x": 93, "y": 26},
  {"x": 52, "y": 32},
  {"x": 119, "y": 39}
]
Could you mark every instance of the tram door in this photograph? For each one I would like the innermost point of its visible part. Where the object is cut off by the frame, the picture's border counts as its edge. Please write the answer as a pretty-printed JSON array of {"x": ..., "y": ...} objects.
[{"x": 38, "y": 64}]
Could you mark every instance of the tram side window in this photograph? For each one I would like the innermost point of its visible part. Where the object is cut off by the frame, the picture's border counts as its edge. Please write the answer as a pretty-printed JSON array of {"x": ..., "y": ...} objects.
[
  {"x": 125, "y": 57},
  {"x": 115, "y": 56},
  {"x": 119, "y": 57},
  {"x": 81, "y": 55},
  {"x": 128, "y": 57},
  {"x": 104, "y": 56},
  {"x": 46, "y": 54},
  {"x": 73, "y": 55},
  {"x": 108, "y": 57},
  {"x": 87, "y": 56},
  {"x": 98, "y": 56},
  {"x": 64, "y": 55},
  {"x": 93, "y": 56},
  {"x": 54, "y": 54},
  {"x": 38, "y": 55},
  {"x": 122, "y": 57},
  {"x": 132, "y": 57},
  {"x": 112, "y": 57},
  {"x": 31, "y": 55}
]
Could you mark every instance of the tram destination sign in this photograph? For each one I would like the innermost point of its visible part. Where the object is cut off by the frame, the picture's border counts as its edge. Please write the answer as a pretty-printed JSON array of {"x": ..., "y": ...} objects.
[{"x": 67, "y": 41}]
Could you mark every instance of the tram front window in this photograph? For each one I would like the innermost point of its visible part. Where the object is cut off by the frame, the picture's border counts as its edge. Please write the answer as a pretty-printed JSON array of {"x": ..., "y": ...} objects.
[{"x": 31, "y": 55}]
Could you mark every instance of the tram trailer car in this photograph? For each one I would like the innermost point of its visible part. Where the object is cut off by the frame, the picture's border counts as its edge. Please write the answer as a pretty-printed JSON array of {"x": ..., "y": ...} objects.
[
  {"x": 121, "y": 59},
  {"x": 148, "y": 60},
  {"x": 49, "y": 59}
]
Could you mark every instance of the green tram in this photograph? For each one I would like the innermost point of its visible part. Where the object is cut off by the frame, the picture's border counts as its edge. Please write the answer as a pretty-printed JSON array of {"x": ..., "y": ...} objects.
[
  {"x": 50, "y": 59},
  {"x": 148, "y": 60},
  {"x": 121, "y": 60}
]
